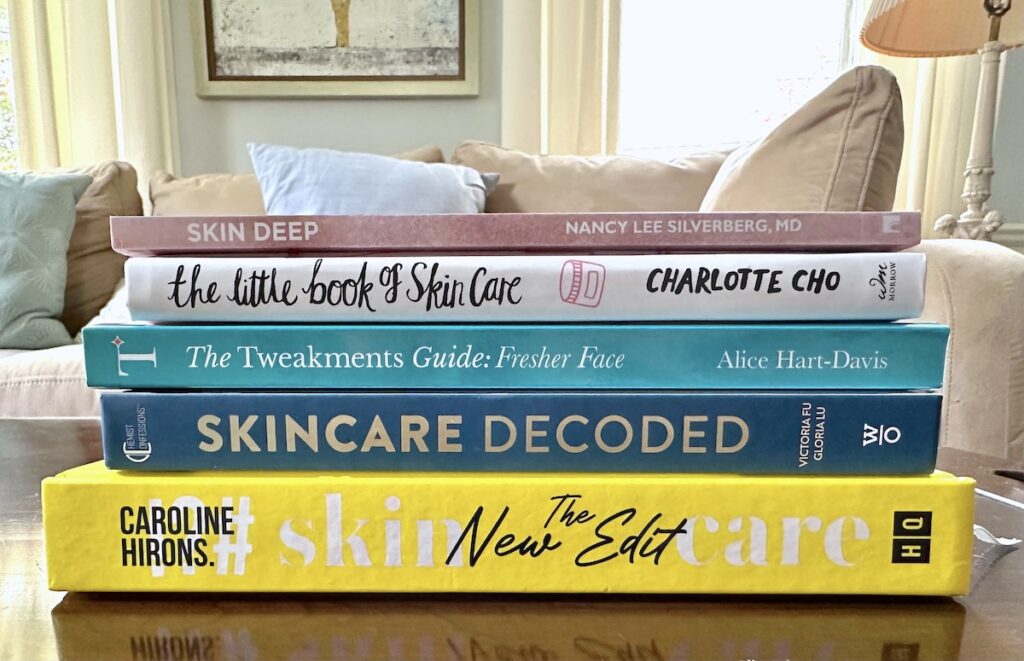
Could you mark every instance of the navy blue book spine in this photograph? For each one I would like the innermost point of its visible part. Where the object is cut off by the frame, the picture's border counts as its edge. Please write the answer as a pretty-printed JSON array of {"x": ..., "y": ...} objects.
[{"x": 780, "y": 433}]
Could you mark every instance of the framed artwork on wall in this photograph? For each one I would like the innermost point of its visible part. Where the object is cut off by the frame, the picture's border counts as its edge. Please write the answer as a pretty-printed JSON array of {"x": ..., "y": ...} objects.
[{"x": 356, "y": 48}]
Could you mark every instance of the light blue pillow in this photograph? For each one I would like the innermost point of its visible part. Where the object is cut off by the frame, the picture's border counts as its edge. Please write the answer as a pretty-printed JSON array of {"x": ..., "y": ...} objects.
[
  {"x": 328, "y": 182},
  {"x": 37, "y": 214}
]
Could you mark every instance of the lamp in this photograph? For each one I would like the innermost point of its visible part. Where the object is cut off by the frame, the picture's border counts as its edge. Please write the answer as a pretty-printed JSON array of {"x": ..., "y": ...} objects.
[{"x": 937, "y": 28}]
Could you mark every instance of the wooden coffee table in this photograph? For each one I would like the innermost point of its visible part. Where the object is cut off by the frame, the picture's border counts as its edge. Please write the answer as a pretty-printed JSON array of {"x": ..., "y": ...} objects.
[{"x": 38, "y": 624}]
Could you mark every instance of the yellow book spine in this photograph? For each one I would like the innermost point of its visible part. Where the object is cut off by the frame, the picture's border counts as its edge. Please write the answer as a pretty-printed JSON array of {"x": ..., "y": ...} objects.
[{"x": 298, "y": 532}]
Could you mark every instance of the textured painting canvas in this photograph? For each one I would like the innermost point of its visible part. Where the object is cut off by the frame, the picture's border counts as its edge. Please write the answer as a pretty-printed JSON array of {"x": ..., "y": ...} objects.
[{"x": 335, "y": 40}]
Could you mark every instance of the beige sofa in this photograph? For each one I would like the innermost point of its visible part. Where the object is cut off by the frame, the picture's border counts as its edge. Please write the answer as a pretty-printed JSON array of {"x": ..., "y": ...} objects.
[{"x": 839, "y": 152}]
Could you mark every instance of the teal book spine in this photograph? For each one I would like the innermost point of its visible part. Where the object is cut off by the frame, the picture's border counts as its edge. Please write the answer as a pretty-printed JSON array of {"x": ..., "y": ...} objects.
[{"x": 515, "y": 357}]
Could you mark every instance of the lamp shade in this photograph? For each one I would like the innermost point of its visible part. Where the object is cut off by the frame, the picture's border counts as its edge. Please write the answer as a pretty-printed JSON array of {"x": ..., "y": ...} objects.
[{"x": 934, "y": 28}]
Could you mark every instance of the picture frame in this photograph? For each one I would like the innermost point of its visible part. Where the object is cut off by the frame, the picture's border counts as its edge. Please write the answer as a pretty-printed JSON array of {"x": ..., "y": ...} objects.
[{"x": 231, "y": 61}]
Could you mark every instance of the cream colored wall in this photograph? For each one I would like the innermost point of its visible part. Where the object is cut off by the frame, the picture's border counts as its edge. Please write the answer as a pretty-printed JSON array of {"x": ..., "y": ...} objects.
[{"x": 212, "y": 132}]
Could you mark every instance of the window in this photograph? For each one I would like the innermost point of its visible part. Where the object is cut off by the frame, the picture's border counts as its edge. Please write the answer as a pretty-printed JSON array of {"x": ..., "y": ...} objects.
[
  {"x": 700, "y": 76},
  {"x": 8, "y": 136}
]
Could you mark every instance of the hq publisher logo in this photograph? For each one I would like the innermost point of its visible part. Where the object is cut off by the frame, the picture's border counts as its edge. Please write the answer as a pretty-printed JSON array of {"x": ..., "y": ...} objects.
[{"x": 912, "y": 538}]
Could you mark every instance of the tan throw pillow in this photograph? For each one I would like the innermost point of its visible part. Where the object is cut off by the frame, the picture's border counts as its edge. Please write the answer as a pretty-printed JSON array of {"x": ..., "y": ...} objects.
[
  {"x": 230, "y": 194},
  {"x": 94, "y": 269},
  {"x": 539, "y": 184},
  {"x": 429, "y": 154},
  {"x": 839, "y": 152},
  {"x": 205, "y": 194}
]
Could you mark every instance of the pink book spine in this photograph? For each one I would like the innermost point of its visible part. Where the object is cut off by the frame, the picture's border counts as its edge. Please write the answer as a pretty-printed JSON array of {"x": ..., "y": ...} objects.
[{"x": 518, "y": 232}]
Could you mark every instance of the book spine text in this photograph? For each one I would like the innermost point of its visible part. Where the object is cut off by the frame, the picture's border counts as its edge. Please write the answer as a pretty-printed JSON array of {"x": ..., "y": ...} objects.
[
  {"x": 111, "y": 530},
  {"x": 519, "y": 232},
  {"x": 753, "y": 287},
  {"x": 520, "y": 356},
  {"x": 809, "y": 433}
]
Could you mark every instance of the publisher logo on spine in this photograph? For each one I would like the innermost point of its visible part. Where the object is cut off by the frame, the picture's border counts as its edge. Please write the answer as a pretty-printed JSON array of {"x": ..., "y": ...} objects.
[
  {"x": 123, "y": 357},
  {"x": 891, "y": 223},
  {"x": 582, "y": 283},
  {"x": 881, "y": 435},
  {"x": 884, "y": 281},
  {"x": 136, "y": 455},
  {"x": 136, "y": 445},
  {"x": 912, "y": 538}
]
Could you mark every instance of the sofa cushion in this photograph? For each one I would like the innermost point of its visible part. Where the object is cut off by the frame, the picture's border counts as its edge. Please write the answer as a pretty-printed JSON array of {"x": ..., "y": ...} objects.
[
  {"x": 116, "y": 309},
  {"x": 537, "y": 184},
  {"x": 231, "y": 194},
  {"x": 45, "y": 383},
  {"x": 328, "y": 182},
  {"x": 212, "y": 194},
  {"x": 114, "y": 312},
  {"x": 93, "y": 268},
  {"x": 839, "y": 152},
  {"x": 37, "y": 215}
]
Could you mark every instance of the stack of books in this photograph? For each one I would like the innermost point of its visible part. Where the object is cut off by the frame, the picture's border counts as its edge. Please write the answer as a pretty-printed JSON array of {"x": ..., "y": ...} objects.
[{"x": 641, "y": 403}]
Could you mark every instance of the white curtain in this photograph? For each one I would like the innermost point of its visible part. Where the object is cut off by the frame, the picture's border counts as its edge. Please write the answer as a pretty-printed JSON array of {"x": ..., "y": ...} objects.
[
  {"x": 560, "y": 95},
  {"x": 93, "y": 82},
  {"x": 560, "y": 76},
  {"x": 939, "y": 96}
]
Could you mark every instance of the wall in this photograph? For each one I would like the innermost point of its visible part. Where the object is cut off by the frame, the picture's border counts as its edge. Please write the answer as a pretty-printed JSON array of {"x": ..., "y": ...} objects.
[{"x": 212, "y": 132}]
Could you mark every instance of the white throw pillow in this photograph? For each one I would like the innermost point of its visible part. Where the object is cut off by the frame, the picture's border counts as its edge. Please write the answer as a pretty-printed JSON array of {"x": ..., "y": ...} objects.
[{"x": 328, "y": 182}]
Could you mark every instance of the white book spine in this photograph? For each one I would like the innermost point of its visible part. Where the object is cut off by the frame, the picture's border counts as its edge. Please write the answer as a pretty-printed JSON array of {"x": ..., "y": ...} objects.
[{"x": 722, "y": 287}]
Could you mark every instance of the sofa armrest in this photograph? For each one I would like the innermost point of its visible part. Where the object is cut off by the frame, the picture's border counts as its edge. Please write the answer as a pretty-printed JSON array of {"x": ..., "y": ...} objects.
[
  {"x": 46, "y": 383},
  {"x": 977, "y": 288}
]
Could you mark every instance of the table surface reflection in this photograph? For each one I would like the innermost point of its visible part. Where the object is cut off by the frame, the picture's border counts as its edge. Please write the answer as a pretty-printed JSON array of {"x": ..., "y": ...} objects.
[{"x": 38, "y": 624}]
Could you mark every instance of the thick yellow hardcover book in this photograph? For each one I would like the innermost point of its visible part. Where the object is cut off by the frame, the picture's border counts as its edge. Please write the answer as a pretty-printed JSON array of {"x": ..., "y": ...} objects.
[{"x": 487, "y": 532}]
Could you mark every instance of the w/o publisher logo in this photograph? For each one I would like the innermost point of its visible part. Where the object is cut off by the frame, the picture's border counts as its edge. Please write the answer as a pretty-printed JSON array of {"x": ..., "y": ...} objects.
[
  {"x": 881, "y": 435},
  {"x": 123, "y": 357}
]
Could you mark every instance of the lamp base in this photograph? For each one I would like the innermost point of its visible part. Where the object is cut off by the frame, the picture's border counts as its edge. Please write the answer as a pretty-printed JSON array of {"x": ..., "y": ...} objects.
[
  {"x": 978, "y": 221},
  {"x": 971, "y": 225}
]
